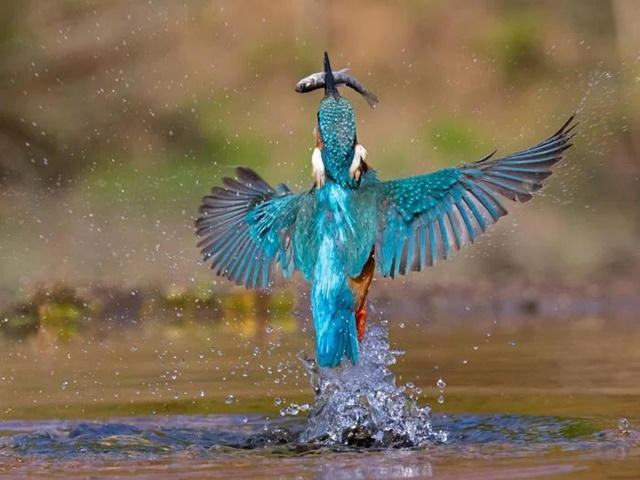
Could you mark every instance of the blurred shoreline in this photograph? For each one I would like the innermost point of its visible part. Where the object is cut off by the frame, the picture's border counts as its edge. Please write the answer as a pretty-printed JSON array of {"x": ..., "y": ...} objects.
[{"x": 65, "y": 311}]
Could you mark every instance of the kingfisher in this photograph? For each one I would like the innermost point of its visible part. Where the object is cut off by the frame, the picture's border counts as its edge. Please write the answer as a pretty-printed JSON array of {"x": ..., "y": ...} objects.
[{"x": 350, "y": 224}]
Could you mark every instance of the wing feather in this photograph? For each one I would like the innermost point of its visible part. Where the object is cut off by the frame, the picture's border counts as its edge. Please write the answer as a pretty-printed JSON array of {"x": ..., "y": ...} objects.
[
  {"x": 245, "y": 229},
  {"x": 424, "y": 219}
]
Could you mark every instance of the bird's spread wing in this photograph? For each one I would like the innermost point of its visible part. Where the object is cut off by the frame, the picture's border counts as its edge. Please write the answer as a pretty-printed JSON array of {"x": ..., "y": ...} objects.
[
  {"x": 423, "y": 219},
  {"x": 245, "y": 229}
]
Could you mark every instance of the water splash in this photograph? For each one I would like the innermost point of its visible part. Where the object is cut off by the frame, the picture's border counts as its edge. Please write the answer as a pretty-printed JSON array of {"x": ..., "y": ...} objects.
[{"x": 360, "y": 405}]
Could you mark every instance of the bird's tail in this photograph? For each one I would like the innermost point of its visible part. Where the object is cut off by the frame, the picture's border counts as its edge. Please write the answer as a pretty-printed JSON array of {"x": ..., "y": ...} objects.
[{"x": 335, "y": 324}]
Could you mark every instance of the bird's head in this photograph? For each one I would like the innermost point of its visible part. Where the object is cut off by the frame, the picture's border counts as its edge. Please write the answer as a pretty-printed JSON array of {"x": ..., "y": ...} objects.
[{"x": 336, "y": 117}]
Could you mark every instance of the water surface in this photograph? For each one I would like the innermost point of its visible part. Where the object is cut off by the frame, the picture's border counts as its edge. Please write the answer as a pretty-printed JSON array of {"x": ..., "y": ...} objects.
[{"x": 515, "y": 398}]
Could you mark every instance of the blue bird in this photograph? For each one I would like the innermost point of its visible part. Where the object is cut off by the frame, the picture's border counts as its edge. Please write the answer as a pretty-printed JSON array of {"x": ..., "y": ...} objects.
[{"x": 349, "y": 223}]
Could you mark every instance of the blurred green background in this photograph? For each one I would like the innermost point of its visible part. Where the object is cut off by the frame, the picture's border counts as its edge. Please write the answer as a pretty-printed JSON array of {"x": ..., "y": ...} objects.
[{"x": 117, "y": 116}]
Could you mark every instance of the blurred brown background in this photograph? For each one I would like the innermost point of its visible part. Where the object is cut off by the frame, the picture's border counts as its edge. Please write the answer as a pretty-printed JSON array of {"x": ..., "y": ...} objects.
[{"x": 117, "y": 116}]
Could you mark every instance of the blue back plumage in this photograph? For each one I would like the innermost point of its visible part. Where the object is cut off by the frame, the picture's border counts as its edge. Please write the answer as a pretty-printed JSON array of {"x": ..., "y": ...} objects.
[{"x": 325, "y": 244}]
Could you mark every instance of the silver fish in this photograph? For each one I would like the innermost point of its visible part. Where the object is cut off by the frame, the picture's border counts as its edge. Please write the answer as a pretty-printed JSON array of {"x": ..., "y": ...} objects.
[{"x": 316, "y": 81}]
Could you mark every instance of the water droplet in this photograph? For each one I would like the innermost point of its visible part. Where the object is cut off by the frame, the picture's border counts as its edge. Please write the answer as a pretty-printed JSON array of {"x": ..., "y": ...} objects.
[
  {"x": 441, "y": 385},
  {"x": 292, "y": 409},
  {"x": 134, "y": 348},
  {"x": 441, "y": 399},
  {"x": 268, "y": 329},
  {"x": 623, "y": 425},
  {"x": 229, "y": 400},
  {"x": 363, "y": 402},
  {"x": 202, "y": 394}
]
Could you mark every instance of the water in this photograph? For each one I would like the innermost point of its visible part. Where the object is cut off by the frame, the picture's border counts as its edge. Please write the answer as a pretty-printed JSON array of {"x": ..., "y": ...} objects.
[
  {"x": 534, "y": 399},
  {"x": 361, "y": 404},
  {"x": 255, "y": 446}
]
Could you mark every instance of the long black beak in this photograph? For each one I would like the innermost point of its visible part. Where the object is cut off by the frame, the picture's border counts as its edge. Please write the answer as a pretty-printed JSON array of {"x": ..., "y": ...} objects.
[{"x": 330, "y": 87}]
